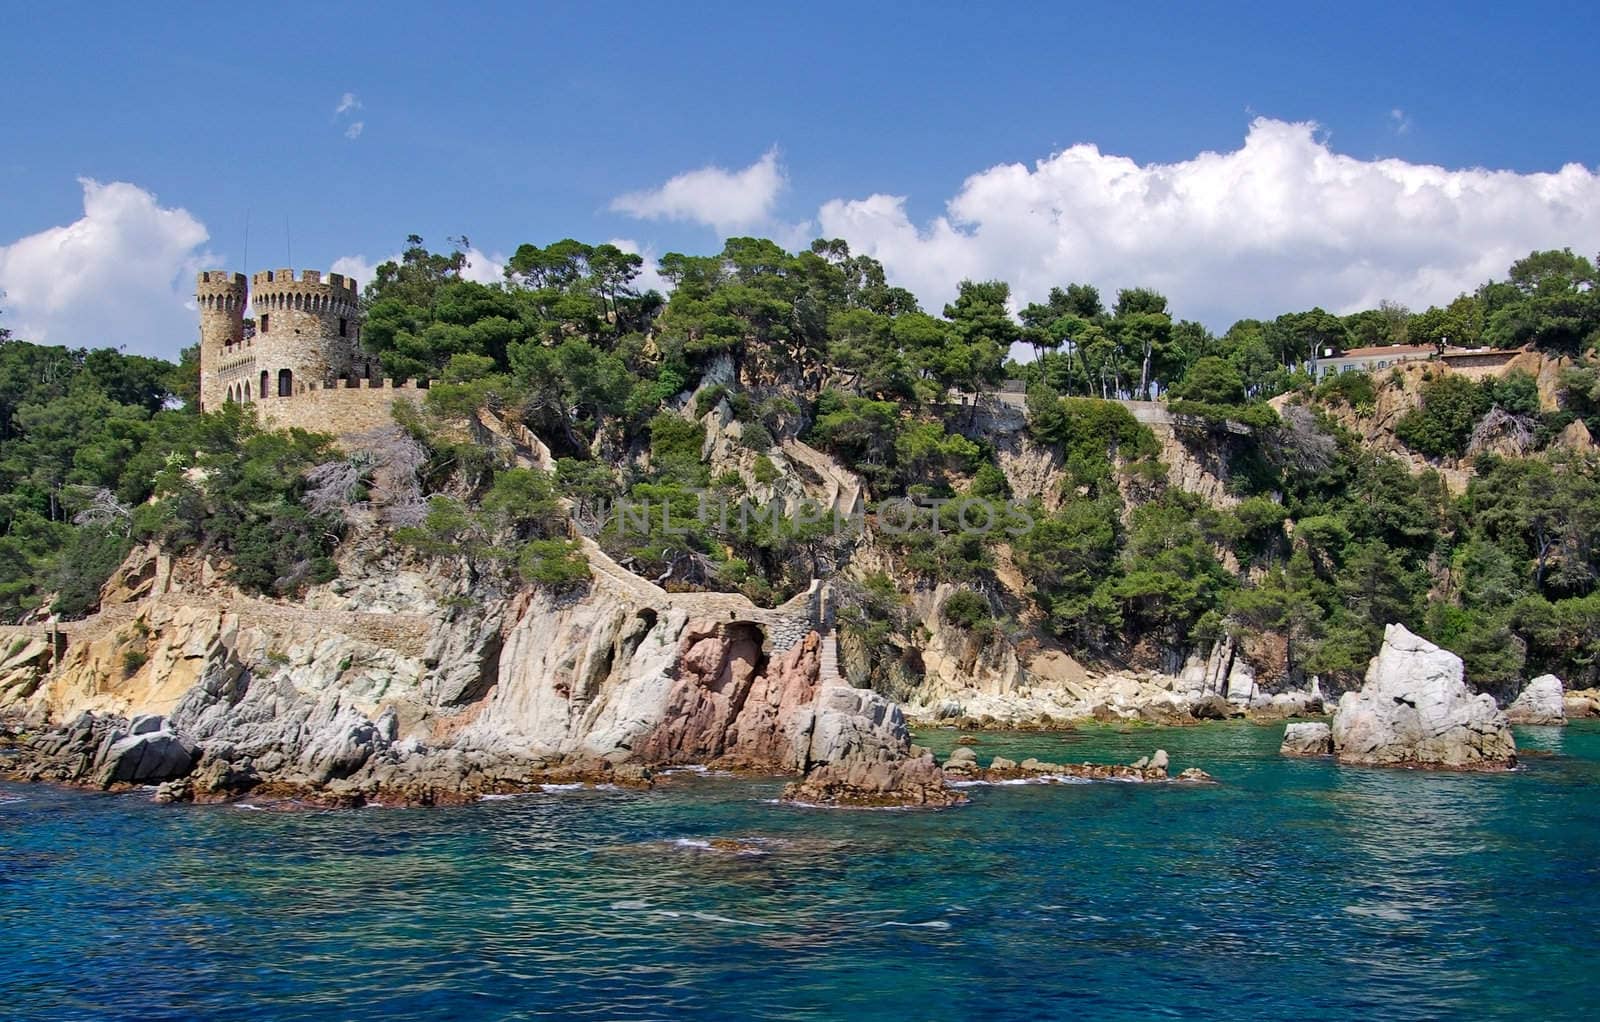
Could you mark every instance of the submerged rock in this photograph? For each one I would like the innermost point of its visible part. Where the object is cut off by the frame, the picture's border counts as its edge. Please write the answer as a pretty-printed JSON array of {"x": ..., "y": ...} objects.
[
  {"x": 1415, "y": 710},
  {"x": 1541, "y": 702},
  {"x": 1307, "y": 739}
]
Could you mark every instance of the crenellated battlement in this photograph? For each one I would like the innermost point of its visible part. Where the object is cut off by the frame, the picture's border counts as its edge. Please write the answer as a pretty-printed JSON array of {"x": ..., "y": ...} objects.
[
  {"x": 279, "y": 280},
  {"x": 381, "y": 383},
  {"x": 220, "y": 291},
  {"x": 218, "y": 280}
]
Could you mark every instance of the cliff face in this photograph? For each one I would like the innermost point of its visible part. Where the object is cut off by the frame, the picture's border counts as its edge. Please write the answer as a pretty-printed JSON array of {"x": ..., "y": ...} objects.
[
  {"x": 1398, "y": 391},
  {"x": 430, "y": 694}
]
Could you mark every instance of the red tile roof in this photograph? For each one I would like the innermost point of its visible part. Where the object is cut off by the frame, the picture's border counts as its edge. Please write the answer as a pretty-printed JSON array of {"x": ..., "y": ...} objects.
[{"x": 1390, "y": 349}]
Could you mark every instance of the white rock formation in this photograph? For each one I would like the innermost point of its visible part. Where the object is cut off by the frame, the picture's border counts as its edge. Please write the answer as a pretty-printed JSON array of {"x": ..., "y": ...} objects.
[
  {"x": 1415, "y": 710},
  {"x": 1312, "y": 738},
  {"x": 1541, "y": 702}
]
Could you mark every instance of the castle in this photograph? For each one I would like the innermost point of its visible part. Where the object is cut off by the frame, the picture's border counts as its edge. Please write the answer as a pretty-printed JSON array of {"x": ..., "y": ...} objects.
[
  {"x": 304, "y": 331},
  {"x": 298, "y": 359}
]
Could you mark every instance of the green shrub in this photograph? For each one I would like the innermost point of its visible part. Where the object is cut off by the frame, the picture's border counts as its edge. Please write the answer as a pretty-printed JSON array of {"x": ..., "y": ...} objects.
[
  {"x": 1354, "y": 389},
  {"x": 1211, "y": 380},
  {"x": 1442, "y": 425},
  {"x": 969, "y": 610},
  {"x": 553, "y": 563},
  {"x": 707, "y": 399},
  {"x": 1517, "y": 392},
  {"x": 675, "y": 445},
  {"x": 84, "y": 564},
  {"x": 756, "y": 437}
]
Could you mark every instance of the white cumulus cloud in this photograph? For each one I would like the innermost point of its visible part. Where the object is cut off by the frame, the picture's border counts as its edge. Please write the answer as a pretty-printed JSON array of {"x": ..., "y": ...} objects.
[
  {"x": 120, "y": 275},
  {"x": 1280, "y": 224},
  {"x": 347, "y": 103},
  {"x": 355, "y": 129},
  {"x": 356, "y": 267},
  {"x": 727, "y": 200}
]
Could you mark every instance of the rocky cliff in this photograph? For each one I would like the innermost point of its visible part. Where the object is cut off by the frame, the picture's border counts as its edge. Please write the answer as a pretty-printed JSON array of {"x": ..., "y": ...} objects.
[{"x": 398, "y": 682}]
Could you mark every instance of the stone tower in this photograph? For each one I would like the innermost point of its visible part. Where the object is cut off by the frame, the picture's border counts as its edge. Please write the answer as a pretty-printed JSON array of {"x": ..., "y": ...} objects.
[
  {"x": 221, "y": 297},
  {"x": 307, "y": 332}
]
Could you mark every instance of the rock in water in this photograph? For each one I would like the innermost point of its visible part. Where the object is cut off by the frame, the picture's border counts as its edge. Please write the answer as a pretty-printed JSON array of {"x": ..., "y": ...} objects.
[
  {"x": 1542, "y": 702},
  {"x": 862, "y": 783},
  {"x": 1415, "y": 710},
  {"x": 1310, "y": 739}
]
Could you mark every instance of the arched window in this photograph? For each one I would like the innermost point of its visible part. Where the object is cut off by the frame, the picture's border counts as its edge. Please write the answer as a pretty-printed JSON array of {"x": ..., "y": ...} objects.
[
  {"x": 266, "y": 380},
  {"x": 285, "y": 383}
]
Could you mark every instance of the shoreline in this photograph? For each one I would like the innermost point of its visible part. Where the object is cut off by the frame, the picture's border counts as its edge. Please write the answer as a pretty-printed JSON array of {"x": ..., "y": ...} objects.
[{"x": 421, "y": 780}]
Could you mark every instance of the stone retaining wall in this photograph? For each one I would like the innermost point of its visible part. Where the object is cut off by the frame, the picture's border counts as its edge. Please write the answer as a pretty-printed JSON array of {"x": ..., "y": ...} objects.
[{"x": 347, "y": 409}]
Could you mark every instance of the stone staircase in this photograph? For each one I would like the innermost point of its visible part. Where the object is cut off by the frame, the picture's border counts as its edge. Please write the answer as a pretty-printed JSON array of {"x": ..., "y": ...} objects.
[
  {"x": 529, "y": 450},
  {"x": 828, "y": 662},
  {"x": 843, "y": 486}
]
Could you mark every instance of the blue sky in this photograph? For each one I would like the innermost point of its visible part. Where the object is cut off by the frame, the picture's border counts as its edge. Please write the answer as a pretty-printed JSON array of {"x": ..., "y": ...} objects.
[{"x": 522, "y": 123}]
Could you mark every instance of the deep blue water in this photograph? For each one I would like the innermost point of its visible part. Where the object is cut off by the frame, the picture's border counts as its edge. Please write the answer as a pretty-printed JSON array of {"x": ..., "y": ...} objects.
[{"x": 1292, "y": 889}]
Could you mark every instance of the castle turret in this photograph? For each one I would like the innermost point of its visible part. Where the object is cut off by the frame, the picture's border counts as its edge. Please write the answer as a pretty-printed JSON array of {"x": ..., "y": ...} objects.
[
  {"x": 306, "y": 330},
  {"x": 223, "y": 351}
]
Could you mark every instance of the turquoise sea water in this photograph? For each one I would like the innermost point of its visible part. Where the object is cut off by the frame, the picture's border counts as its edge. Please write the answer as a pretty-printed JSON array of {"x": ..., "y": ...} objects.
[{"x": 1292, "y": 889}]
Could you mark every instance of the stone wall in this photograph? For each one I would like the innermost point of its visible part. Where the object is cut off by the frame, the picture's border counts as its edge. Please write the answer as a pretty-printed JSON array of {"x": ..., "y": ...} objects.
[{"x": 346, "y": 409}]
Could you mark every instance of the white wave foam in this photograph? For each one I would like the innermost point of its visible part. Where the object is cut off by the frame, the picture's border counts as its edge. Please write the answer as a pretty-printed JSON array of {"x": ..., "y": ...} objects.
[
  {"x": 821, "y": 805},
  {"x": 931, "y": 924},
  {"x": 570, "y": 786},
  {"x": 629, "y": 905},
  {"x": 712, "y": 917},
  {"x": 1379, "y": 911},
  {"x": 497, "y": 798},
  {"x": 1013, "y": 781},
  {"x": 249, "y": 808}
]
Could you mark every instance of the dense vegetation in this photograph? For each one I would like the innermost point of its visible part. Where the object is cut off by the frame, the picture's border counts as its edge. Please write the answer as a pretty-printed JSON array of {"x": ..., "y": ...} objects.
[{"x": 1317, "y": 544}]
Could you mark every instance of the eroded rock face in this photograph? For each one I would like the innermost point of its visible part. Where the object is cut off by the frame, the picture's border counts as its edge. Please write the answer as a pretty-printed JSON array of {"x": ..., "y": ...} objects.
[
  {"x": 1307, "y": 739},
  {"x": 1541, "y": 702},
  {"x": 1415, "y": 710},
  {"x": 717, "y": 667}
]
